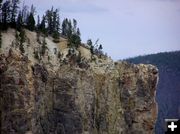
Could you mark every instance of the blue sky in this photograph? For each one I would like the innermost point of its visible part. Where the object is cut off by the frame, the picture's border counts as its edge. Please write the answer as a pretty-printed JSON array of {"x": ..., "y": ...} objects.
[{"x": 126, "y": 28}]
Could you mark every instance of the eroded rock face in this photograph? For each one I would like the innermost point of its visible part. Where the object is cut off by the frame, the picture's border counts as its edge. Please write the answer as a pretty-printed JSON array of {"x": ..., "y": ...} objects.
[{"x": 37, "y": 100}]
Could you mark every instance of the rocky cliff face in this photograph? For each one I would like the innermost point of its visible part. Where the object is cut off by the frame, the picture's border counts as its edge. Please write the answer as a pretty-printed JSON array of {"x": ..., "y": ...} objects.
[
  {"x": 73, "y": 101},
  {"x": 103, "y": 99}
]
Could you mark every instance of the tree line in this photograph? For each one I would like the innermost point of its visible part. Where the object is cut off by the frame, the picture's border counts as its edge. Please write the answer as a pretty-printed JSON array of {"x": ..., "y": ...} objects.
[{"x": 11, "y": 15}]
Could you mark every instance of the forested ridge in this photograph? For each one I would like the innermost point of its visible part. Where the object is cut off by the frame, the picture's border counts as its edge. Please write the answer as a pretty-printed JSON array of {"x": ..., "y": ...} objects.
[
  {"x": 49, "y": 24},
  {"x": 163, "y": 59}
]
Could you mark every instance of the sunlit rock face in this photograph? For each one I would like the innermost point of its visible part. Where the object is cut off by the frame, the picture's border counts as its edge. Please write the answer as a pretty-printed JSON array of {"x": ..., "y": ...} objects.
[
  {"x": 118, "y": 99},
  {"x": 63, "y": 96}
]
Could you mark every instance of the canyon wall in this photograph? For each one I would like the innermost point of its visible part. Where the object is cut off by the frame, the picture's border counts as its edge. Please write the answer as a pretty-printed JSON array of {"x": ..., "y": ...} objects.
[{"x": 106, "y": 99}]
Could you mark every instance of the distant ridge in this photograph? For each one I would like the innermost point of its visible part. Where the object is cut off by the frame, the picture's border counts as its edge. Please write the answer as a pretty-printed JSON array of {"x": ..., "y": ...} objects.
[{"x": 168, "y": 59}]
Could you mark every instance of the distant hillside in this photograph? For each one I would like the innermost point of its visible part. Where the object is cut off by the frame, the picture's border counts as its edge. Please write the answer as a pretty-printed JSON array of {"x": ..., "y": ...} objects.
[{"x": 168, "y": 92}]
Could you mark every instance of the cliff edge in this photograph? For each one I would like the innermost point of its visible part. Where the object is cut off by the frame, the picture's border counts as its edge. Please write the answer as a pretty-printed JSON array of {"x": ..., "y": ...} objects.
[{"x": 61, "y": 96}]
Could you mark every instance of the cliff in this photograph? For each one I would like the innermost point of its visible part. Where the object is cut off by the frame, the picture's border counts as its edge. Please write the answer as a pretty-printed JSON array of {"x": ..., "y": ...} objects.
[
  {"x": 52, "y": 97},
  {"x": 168, "y": 89}
]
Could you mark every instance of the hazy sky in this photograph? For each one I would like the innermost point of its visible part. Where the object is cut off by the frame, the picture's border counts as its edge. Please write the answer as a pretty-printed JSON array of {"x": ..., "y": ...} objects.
[{"x": 126, "y": 28}]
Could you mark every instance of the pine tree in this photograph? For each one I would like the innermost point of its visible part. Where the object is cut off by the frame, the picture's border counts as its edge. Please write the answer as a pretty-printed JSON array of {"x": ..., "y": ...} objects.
[
  {"x": 30, "y": 19},
  {"x": 56, "y": 26},
  {"x": 69, "y": 30},
  {"x": 44, "y": 46},
  {"x": 49, "y": 18},
  {"x": 74, "y": 26},
  {"x": 14, "y": 12},
  {"x": 31, "y": 22},
  {"x": 74, "y": 41},
  {"x": 42, "y": 26},
  {"x": 24, "y": 14},
  {"x": 56, "y": 37},
  {"x": 78, "y": 32},
  {"x": 100, "y": 48},
  {"x": 22, "y": 40},
  {"x": 33, "y": 10},
  {"x": 5, "y": 14},
  {"x": 90, "y": 44},
  {"x": 64, "y": 27},
  {"x": 19, "y": 22}
]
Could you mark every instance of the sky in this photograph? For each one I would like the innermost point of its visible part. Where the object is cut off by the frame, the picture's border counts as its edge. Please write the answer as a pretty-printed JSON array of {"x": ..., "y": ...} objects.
[{"x": 125, "y": 28}]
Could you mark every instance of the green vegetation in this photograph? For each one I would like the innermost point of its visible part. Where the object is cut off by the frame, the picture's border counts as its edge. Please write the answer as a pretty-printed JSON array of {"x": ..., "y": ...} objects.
[
  {"x": 44, "y": 47},
  {"x": 12, "y": 16},
  {"x": 166, "y": 59},
  {"x": 30, "y": 19},
  {"x": 71, "y": 32},
  {"x": 31, "y": 22},
  {"x": 90, "y": 44},
  {"x": 21, "y": 18},
  {"x": 22, "y": 38},
  {"x": 95, "y": 48}
]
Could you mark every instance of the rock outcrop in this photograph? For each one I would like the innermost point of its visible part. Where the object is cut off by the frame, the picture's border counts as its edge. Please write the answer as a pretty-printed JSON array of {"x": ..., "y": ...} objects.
[
  {"x": 73, "y": 101},
  {"x": 114, "y": 98}
]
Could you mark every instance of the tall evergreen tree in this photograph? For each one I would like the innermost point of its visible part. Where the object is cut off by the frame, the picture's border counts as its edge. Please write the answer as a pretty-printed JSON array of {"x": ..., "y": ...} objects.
[
  {"x": 33, "y": 10},
  {"x": 49, "y": 18},
  {"x": 6, "y": 14},
  {"x": 72, "y": 33},
  {"x": 42, "y": 26},
  {"x": 64, "y": 27},
  {"x": 19, "y": 22},
  {"x": 30, "y": 19},
  {"x": 69, "y": 29},
  {"x": 24, "y": 14},
  {"x": 78, "y": 32},
  {"x": 56, "y": 26},
  {"x": 74, "y": 26},
  {"x": 38, "y": 22},
  {"x": 31, "y": 22},
  {"x": 14, "y": 11},
  {"x": 22, "y": 40}
]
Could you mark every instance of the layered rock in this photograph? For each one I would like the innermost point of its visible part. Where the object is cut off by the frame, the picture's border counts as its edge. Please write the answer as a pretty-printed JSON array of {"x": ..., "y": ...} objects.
[{"x": 35, "y": 99}]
